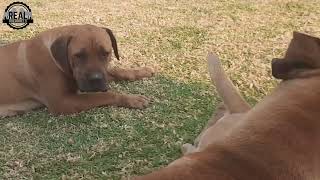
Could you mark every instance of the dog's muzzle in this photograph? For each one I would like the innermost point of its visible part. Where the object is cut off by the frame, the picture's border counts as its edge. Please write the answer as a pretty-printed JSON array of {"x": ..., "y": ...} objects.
[{"x": 94, "y": 82}]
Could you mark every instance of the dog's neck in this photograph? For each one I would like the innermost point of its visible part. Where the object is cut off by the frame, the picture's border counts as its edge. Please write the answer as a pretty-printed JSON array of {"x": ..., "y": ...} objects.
[
  {"x": 286, "y": 121},
  {"x": 289, "y": 95},
  {"x": 299, "y": 93}
]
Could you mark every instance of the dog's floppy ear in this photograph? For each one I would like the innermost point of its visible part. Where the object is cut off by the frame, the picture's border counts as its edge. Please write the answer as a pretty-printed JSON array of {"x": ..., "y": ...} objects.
[
  {"x": 303, "y": 55},
  {"x": 280, "y": 68},
  {"x": 284, "y": 69},
  {"x": 113, "y": 41},
  {"x": 59, "y": 51}
]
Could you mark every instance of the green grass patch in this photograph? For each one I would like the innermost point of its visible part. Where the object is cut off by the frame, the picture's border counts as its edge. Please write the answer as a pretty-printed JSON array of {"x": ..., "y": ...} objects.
[{"x": 174, "y": 37}]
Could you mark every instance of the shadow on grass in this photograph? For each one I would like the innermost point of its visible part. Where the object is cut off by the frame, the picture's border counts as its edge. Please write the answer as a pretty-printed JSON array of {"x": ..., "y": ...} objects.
[{"x": 107, "y": 142}]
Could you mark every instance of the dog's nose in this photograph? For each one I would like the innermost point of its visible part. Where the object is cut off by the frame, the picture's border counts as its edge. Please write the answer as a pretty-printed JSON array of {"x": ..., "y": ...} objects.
[{"x": 96, "y": 76}]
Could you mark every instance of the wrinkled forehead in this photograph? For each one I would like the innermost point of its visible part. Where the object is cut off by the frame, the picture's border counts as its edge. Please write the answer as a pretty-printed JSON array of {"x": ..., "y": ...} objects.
[{"x": 91, "y": 40}]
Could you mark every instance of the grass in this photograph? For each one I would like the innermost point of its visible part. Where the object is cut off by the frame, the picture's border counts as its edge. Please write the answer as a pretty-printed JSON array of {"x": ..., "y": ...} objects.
[{"x": 172, "y": 36}]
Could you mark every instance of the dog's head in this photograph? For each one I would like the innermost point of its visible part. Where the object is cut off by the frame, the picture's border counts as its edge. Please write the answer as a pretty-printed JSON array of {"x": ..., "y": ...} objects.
[
  {"x": 84, "y": 55},
  {"x": 302, "y": 58}
]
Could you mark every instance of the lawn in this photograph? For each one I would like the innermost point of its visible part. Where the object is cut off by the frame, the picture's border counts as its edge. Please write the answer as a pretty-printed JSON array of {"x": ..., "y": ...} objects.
[{"x": 172, "y": 36}]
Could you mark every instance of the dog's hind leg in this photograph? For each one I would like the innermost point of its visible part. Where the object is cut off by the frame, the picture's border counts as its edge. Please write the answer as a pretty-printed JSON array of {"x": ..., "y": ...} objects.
[
  {"x": 230, "y": 95},
  {"x": 219, "y": 113},
  {"x": 233, "y": 103}
]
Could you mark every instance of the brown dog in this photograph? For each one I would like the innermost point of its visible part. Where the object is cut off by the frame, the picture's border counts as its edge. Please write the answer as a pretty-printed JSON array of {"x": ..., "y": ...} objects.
[
  {"x": 278, "y": 139},
  {"x": 50, "y": 69}
]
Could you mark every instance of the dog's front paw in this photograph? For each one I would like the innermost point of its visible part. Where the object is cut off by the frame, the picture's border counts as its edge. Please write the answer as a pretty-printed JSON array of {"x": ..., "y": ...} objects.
[
  {"x": 144, "y": 72},
  {"x": 136, "y": 101}
]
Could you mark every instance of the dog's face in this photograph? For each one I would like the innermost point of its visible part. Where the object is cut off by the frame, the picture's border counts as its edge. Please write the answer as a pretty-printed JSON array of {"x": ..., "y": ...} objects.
[
  {"x": 85, "y": 56},
  {"x": 302, "y": 58}
]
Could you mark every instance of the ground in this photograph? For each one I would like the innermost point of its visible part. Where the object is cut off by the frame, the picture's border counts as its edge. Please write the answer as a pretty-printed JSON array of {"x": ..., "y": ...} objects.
[{"x": 172, "y": 36}]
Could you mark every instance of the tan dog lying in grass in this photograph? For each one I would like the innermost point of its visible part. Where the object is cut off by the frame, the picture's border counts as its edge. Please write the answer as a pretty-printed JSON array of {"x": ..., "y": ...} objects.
[
  {"x": 50, "y": 68},
  {"x": 278, "y": 139}
]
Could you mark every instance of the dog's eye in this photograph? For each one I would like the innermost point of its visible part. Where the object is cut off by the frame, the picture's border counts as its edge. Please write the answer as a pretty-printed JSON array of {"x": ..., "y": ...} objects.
[
  {"x": 82, "y": 56},
  {"x": 104, "y": 54}
]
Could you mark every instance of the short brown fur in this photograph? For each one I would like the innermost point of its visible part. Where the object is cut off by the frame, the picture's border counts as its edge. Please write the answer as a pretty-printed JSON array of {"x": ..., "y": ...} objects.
[
  {"x": 278, "y": 139},
  {"x": 49, "y": 70}
]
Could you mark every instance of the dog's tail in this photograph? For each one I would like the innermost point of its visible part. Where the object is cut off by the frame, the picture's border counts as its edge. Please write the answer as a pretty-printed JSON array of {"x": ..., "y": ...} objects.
[{"x": 230, "y": 95}]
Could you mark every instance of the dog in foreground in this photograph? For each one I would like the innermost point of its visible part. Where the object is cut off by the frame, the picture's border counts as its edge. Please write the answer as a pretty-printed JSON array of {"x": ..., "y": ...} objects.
[
  {"x": 278, "y": 139},
  {"x": 51, "y": 68}
]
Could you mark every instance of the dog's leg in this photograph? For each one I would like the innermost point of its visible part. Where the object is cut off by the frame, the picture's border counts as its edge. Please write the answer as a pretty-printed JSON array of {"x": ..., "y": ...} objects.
[
  {"x": 229, "y": 93},
  {"x": 116, "y": 74},
  {"x": 219, "y": 113},
  {"x": 232, "y": 100},
  {"x": 74, "y": 103}
]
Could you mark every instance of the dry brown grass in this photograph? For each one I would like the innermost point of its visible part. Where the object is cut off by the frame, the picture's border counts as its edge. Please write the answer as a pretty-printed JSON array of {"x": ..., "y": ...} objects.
[{"x": 173, "y": 36}]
